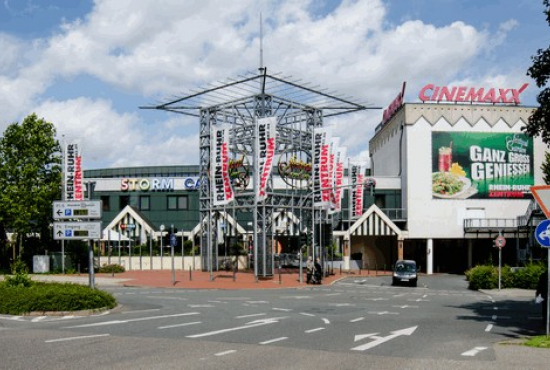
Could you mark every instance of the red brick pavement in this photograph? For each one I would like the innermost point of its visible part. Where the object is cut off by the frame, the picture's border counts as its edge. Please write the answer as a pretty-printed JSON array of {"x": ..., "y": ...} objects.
[{"x": 288, "y": 278}]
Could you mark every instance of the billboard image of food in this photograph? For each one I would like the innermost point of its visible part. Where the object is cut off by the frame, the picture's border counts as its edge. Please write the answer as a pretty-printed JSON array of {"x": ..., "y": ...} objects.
[{"x": 481, "y": 165}]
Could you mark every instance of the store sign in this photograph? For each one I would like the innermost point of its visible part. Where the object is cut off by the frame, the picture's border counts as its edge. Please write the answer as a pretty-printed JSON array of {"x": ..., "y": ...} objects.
[
  {"x": 481, "y": 165},
  {"x": 192, "y": 183},
  {"x": 222, "y": 191},
  {"x": 394, "y": 105},
  {"x": 266, "y": 133},
  {"x": 146, "y": 184},
  {"x": 460, "y": 94}
]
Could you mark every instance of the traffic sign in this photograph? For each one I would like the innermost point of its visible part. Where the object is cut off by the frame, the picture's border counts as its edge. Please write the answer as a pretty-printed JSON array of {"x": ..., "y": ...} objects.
[
  {"x": 89, "y": 209},
  {"x": 500, "y": 241},
  {"x": 173, "y": 241},
  {"x": 542, "y": 233},
  {"x": 77, "y": 230},
  {"x": 542, "y": 196}
]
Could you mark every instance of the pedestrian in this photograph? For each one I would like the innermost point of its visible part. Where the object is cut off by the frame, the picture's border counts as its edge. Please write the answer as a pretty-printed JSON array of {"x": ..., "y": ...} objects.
[
  {"x": 309, "y": 269},
  {"x": 542, "y": 290},
  {"x": 318, "y": 271}
]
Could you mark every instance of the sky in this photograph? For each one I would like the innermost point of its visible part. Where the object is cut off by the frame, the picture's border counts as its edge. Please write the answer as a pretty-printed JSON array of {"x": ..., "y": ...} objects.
[{"x": 87, "y": 66}]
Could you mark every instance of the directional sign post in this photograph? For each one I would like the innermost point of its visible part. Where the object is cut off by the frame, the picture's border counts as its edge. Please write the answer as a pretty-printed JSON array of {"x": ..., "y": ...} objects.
[
  {"x": 77, "y": 230},
  {"x": 77, "y": 210}
]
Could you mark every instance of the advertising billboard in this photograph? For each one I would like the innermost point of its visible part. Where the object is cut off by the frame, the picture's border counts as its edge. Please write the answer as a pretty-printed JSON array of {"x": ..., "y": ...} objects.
[{"x": 481, "y": 165}]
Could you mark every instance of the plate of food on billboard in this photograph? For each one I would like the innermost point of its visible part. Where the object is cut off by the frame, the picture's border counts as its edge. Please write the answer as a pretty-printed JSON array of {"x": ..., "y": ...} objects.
[{"x": 481, "y": 165}]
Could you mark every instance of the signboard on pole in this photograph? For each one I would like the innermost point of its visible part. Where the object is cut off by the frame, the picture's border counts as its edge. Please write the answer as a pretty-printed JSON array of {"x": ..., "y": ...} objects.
[
  {"x": 76, "y": 230},
  {"x": 542, "y": 233},
  {"x": 541, "y": 193},
  {"x": 77, "y": 209}
]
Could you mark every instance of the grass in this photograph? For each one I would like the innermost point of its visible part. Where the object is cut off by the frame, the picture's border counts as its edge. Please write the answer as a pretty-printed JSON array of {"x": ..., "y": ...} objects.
[{"x": 541, "y": 341}]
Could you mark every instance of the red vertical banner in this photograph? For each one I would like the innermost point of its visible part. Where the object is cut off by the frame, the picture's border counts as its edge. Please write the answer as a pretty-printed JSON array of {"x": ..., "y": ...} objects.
[
  {"x": 338, "y": 191},
  {"x": 356, "y": 180},
  {"x": 322, "y": 187},
  {"x": 222, "y": 191},
  {"x": 266, "y": 133},
  {"x": 72, "y": 173}
]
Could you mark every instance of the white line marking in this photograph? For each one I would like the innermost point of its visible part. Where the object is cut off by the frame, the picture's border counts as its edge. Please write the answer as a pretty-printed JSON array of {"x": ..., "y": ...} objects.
[
  {"x": 74, "y": 338},
  {"x": 274, "y": 340},
  {"x": 166, "y": 297},
  {"x": 253, "y": 315},
  {"x": 489, "y": 327},
  {"x": 225, "y": 352},
  {"x": 357, "y": 319},
  {"x": 249, "y": 325},
  {"x": 313, "y": 330},
  {"x": 331, "y": 294},
  {"x": 115, "y": 322},
  {"x": 282, "y": 309},
  {"x": 199, "y": 305},
  {"x": 140, "y": 311},
  {"x": 179, "y": 325},
  {"x": 326, "y": 321},
  {"x": 473, "y": 351},
  {"x": 39, "y": 318},
  {"x": 306, "y": 314}
]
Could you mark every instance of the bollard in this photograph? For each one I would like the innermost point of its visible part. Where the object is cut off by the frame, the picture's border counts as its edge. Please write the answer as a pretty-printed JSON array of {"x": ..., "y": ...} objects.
[
  {"x": 359, "y": 270},
  {"x": 78, "y": 266},
  {"x": 234, "y": 274},
  {"x": 190, "y": 276},
  {"x": 340, "y": 269},
  {"x": 112, "y": 270}
]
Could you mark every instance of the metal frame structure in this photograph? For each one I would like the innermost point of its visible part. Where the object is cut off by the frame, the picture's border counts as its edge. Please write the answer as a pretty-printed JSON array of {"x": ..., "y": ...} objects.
[{"x": 299, "y": 109}]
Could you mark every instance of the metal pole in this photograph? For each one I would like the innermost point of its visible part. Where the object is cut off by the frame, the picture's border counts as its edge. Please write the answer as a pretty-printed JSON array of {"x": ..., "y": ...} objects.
[
  {"x": 301, "y": 272},
  {"x": 151, "y": 250},
  {"x": 547, "y": 303},
  {"x": 91, "y": 265},
  {"x": 172, "y": 253},
  {"x": 499, "y": 264}
]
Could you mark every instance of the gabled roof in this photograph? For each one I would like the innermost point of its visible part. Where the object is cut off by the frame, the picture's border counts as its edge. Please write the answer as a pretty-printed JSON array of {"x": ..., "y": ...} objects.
[{"x": 374, "y": 222}]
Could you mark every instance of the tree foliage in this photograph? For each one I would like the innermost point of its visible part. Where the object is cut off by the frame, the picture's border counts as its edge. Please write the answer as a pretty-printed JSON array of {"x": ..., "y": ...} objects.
[
  {"x": 540, "y": 71},
  {"x": 30, "y": 176},
  {"x": 546, "y": 169}
]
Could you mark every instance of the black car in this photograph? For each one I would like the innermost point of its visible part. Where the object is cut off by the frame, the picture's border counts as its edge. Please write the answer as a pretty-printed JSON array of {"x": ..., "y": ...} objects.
[{"x": 405, "y": 272}]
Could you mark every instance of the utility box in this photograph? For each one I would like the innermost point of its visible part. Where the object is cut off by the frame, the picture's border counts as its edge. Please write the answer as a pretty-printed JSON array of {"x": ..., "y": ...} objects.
[{"x": 40, "y": 264}]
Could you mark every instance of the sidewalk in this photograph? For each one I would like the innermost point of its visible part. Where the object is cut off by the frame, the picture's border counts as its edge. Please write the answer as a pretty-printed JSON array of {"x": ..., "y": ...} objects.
[{"x": 288, "y": 278}]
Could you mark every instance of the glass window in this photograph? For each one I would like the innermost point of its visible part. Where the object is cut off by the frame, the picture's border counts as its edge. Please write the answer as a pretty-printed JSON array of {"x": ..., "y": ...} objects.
[
  {"x": 144, "y": 203},
  {"x": 177, "y": 202},
  {"x": 124, "y": 200}
]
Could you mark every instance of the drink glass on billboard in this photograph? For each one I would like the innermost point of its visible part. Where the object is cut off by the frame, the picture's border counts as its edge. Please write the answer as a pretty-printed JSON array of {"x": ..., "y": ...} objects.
[{"x": 445, "y": 159}]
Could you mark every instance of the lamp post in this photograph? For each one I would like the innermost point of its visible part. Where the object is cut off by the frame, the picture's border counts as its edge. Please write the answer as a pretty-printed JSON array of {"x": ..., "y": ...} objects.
[{"x": 172, "y": 244}]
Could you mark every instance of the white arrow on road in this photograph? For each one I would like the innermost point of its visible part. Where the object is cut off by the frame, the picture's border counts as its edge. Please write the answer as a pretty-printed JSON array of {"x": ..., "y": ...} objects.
[
  {"x": 380, "y": 340},
  {"x": 248, "y": 325}
]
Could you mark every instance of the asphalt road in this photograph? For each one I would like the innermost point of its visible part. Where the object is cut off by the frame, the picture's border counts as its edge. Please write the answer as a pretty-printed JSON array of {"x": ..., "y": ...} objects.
[{"x": 355, "y": 323}]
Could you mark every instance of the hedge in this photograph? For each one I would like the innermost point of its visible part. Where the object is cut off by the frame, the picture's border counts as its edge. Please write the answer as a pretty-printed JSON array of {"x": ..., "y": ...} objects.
[
  {"x": 41, "y": 297},
  {"x": 486, "y": 276}
]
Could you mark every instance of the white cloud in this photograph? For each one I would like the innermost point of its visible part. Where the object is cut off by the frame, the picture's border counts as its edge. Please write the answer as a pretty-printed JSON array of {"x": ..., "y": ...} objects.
[{"x": 166, "y": 47}]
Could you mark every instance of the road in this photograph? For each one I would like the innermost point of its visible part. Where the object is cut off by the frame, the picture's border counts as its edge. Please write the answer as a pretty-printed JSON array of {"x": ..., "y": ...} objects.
[{"x": 351, "y": 324}]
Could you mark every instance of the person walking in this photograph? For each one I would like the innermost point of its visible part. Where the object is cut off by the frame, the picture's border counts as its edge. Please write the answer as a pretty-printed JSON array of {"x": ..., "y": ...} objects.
[
  {"x": 318, "y": 271},
  {"x": 309, "y": 269}
]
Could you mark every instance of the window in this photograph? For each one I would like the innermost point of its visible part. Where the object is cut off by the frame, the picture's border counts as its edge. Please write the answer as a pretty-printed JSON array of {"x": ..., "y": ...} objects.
[
  {"x": 105, "y": 203},
  {"x": 123, "y": 201},
  {"x": 176, "y": 202},
  {"x": 144, "y": 203}
]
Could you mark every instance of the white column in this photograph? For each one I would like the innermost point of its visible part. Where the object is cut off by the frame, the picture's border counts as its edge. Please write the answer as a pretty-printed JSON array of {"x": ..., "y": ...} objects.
[{"x": 429, "y": 256}]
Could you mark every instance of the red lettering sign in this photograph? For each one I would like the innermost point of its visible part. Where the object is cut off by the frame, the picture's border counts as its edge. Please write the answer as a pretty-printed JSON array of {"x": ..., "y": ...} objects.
[{"x": 432, "y": 93}]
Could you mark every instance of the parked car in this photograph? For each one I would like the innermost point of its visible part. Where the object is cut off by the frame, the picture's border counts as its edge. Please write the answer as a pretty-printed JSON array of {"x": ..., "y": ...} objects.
[{"x": 405, "y": 272}]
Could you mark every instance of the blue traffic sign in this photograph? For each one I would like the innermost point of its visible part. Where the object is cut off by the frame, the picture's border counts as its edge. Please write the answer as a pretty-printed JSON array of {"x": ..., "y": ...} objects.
[
  {"x": 173, "y": 241},
  {"x": 542, "y": 233}
]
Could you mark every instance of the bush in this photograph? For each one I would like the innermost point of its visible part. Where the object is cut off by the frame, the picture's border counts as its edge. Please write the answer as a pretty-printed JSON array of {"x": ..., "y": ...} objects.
[
  {"x": 20, "y": 276},
  {"x": 486, "y": 277},
  {"x": 40, "y": 297},
  {"x": 107, "y": 269}
]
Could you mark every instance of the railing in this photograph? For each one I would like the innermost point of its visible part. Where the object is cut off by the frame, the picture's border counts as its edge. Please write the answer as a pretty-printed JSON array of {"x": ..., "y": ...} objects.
[
  {"x": 395, "y": 214},
  {"x": 490, "y": 223}
]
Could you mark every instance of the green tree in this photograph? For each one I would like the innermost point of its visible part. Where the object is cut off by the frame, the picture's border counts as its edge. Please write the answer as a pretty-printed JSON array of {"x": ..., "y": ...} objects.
[
  {"x": 540, "y": 71},
  {"x": 30, "y": 178}
]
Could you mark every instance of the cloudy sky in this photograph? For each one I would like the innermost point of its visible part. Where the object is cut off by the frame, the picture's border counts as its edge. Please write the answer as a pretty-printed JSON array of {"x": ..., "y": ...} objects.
[{"x": 87, "y": 66}]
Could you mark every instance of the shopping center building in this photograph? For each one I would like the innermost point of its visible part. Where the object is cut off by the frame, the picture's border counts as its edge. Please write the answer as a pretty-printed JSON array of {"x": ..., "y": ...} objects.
[{"x": 451, "y": 173}]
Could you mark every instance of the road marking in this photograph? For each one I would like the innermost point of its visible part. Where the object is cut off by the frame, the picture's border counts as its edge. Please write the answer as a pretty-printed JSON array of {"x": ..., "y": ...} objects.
[
  {"x": 326, "y": 321},
  {"x": 274, "y": 340},
  {"x": 225, "y": 352},
  {"x": 357, "y": 319},
  {"x": 116, "y": 322},
  {"x": 379, "y": 340},
  {"x": 363, "y": 336},
  {"x": 313, "y": 330},
  {"x": 383, "y": 313},
  {"x": 199, "y": 305},
  {"x": 489, "y": 327},
  {"x": 307, "y": 314},
  {"x": 249, "y": 325},
  {"x": 405, "y": 306},
  {"x": 473, "y": 351},
  {"x": 75, "y": 338},
  {"x": 253, "y": 315},
  {"x": 255, "y": 302},
  {"x": 39, "y": 318},
  {"x": 166, "y": 297},
  {"x": 282, "y": 309},
  {"x": 331, "y": 294},
  {"x": 140, "y": 311},
  {"x": 376, "y": 299},
  {"x": 180, "y": 325}
]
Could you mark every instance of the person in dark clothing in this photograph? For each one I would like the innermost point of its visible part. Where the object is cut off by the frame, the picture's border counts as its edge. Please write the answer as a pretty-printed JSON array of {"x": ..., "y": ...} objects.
[
  {"x": 318, "y": 271},
  {"x": 309, "y": 269},
  {"x": 542, "y": 290}
]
